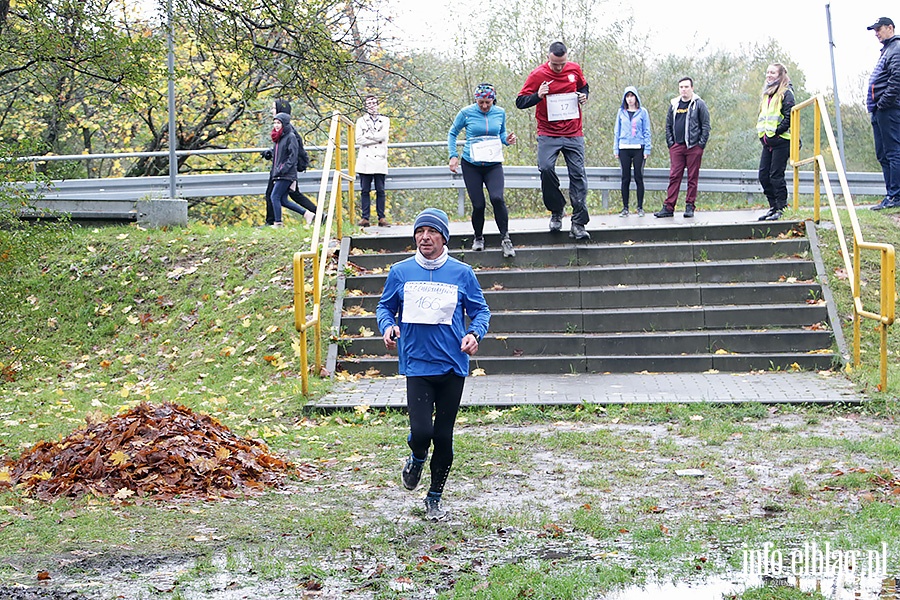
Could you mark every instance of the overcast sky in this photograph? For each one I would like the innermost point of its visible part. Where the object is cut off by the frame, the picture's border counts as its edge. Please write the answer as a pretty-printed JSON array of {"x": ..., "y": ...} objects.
[{"x": 799, "y": 26}]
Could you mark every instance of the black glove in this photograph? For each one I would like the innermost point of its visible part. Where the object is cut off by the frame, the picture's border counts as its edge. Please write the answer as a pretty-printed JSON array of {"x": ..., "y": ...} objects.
[{"x": 267, "y": 154}]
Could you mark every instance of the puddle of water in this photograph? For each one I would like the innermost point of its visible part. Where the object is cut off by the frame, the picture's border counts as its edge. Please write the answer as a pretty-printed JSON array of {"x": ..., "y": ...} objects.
[{"x": 717, "y": 588}]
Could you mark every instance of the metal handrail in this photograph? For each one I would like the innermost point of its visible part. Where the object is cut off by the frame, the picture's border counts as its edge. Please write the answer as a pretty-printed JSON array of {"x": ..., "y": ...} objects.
[
  {"x": 321, "y": 242},
  {"x": 886, "y": 311}
]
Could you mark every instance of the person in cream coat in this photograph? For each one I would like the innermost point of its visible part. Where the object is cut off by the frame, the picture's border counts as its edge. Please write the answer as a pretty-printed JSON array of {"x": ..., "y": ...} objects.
[{"x": 372, "y": 131}]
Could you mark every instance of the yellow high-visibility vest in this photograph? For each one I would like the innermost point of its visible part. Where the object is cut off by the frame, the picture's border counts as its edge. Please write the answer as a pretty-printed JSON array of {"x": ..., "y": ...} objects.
[{"x": 770, "y": 117}]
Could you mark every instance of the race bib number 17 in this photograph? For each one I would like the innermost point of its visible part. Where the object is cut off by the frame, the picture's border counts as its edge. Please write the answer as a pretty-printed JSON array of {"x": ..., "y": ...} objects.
[
  {"x": 562, "y": 107},
  {"x": 429, "y": 303}
]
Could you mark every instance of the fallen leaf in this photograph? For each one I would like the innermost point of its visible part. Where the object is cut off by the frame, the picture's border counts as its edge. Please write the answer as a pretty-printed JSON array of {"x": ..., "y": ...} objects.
[
  {"x": 123, "y": 494},
  {"x": 119, "y": 458}
]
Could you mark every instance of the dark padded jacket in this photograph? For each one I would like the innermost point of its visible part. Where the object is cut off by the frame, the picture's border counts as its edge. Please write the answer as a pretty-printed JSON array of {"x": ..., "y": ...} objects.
[
  {"x": 884, "y": 84},
  {"x": 286, "y": 152}
]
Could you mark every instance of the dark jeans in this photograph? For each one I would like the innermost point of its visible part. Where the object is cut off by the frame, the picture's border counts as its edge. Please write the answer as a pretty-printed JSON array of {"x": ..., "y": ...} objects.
[
  {"x": 437, "y": 395},
  {"x": 572, "y": 149},
  {"x": 681, "y": 157},
  {"x": 491, "y": 177},
  {"x": 365, "y": 189},
  {"x": 295, "y": 195},
  {"x": 886, "y": 128},
  {"x": 280, "y": 200},
  {"x": 628, "y": 157},
  {"x": 772, "y": 163}
]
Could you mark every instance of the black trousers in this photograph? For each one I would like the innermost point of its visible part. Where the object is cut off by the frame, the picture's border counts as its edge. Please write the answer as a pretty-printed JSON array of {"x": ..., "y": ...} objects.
[
  {"x": 772, "y": 163},
  {"x": 628, "y": 157},
  {"x": 433, "y": 402}
]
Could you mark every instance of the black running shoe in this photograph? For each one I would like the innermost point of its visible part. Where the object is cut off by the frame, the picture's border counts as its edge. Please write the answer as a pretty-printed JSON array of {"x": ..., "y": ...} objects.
[{"x": 412, "y": 473}]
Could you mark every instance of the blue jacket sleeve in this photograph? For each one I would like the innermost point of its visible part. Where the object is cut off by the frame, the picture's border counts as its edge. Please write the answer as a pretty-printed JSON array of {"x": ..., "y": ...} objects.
[
  {"x": 648, "y": 134},
  {"x": 459, "y": 123},
  {"x": 476, "y": 306},
  {"x": 616, "y": 127},
  {"x": 389, "y": 304}
]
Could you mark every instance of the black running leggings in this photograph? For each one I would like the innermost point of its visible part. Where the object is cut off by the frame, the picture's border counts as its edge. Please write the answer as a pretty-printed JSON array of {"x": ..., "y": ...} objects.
[
  {"x": 476, "y": 179},
  {"x": 437, "y": 396}
]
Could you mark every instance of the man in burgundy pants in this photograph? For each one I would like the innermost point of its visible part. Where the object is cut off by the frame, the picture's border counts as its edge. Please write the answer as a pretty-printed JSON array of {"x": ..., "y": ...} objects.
[{"x": 687, "y": 131}]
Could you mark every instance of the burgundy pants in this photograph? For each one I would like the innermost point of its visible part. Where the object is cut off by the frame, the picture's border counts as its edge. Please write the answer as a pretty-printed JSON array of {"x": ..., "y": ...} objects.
[{"x": 680, "y": 156}]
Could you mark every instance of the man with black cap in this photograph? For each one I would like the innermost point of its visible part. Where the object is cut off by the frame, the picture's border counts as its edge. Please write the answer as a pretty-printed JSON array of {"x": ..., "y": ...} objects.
[
  {"x": 883, "y": 103},
  {"x": 422, "y": 313}
]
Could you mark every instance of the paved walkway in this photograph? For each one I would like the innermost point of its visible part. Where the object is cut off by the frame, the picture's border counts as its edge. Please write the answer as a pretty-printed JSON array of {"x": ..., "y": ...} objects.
[
  {"x": 610, "y": 388},
  {"x": 462, "y": 225}
]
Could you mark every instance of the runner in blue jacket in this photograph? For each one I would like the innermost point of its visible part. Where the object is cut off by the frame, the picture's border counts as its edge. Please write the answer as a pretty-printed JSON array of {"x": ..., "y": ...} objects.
[
  {"x": 422, "y": 313},
  {"x": 482, "y": 161}
]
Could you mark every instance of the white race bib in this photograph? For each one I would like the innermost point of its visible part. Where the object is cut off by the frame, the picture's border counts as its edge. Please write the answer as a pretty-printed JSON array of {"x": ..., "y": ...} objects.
[
  {"x": 429, "y": 302},
  {"x": 562, "y": 107},
  {"x": 486, "y": 149}
]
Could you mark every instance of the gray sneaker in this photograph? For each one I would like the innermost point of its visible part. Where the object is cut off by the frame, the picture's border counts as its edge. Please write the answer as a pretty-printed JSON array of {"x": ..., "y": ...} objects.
[
  {"x": 624, "y": 212},
  {"x": 433, "y": 510},
  {"x": 412, "y": 473},
  {"x": 556, "y": 222},
  {"x": 478, "y": 244},
  {"x": 578, "y": 232},
  {"x": 508, "y": 250}
]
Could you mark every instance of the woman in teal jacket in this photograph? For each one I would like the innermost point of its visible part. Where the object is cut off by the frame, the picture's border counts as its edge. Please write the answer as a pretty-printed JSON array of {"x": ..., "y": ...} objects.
[
  {"x": 632, "y": 145},
  {"x": 482, "y": 161}
]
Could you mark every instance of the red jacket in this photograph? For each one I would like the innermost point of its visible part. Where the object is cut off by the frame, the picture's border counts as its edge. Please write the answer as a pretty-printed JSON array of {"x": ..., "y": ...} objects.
[{"x": 570, "y": 79}]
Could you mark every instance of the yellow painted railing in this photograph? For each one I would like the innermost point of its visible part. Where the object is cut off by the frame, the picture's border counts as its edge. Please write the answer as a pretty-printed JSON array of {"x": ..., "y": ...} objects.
[
  {"x": 887, "y": 285},
  {"x": 321, "y": 242}
]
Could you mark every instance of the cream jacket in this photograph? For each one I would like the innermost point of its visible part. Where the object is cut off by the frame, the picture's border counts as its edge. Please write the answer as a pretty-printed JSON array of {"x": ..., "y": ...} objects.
[{"x": 372, "y": 139}]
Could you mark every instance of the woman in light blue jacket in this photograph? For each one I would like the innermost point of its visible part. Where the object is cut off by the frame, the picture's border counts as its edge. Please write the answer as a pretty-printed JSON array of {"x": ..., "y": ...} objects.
[
  {"x": 482, "y": 161},
  {"x": 632, "y": 145}
]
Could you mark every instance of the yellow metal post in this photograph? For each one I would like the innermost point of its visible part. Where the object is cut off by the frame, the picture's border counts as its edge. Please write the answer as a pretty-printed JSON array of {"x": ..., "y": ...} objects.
[
  {"x": 852, "y": 259},
  {"x": 300, "y": 318}
]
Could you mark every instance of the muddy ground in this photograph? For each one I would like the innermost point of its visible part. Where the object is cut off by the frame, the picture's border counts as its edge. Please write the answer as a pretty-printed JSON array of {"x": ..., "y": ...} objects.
[{"x": 738, "y": 485}]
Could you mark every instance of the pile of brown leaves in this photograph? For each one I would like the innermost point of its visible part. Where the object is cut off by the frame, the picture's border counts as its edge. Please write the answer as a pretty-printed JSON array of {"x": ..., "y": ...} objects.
[{"x": 159, "y": 451}]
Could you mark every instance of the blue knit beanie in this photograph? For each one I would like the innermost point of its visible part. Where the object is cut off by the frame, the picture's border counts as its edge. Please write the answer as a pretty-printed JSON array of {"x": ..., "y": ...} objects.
[{"x": 435, "y": 218}]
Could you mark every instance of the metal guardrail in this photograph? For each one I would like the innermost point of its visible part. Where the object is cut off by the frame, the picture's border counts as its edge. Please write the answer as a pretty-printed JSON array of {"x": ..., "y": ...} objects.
[
  {"x": 887, "y": 284},
  {"x": 121, "y": 198}
]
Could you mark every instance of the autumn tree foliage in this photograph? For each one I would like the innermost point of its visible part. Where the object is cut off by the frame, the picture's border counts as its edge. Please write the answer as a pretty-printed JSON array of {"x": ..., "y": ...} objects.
[{"x": 91, "y": 77}]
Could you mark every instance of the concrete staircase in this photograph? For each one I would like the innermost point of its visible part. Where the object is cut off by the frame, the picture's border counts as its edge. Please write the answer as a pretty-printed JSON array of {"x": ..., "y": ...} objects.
[{"x": 679, "y": 298}]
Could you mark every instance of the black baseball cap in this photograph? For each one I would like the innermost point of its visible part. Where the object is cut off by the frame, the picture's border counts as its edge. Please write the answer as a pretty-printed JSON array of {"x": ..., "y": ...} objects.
[{"x": 881, "y": 22}]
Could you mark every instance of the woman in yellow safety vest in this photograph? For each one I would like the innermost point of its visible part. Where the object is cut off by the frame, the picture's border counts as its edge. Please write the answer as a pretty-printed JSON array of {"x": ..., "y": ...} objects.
[{"x": 774, "y": 128}]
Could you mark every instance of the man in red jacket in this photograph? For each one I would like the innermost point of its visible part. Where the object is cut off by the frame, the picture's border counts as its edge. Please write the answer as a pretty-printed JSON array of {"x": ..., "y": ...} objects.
[{"x": 557, "y": 89}]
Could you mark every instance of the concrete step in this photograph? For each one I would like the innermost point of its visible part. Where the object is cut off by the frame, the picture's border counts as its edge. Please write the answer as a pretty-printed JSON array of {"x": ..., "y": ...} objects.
[
  {"x": 629, "y": 253},
  {"x": 649, "y": 297},
  {"x": 766, "y": 270},
  {"x": 740, "y": 317},
  {"x": 632, "y": 344},
  {"x": 386, "y": 365},
  {"x": 402, "y": 241}
]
